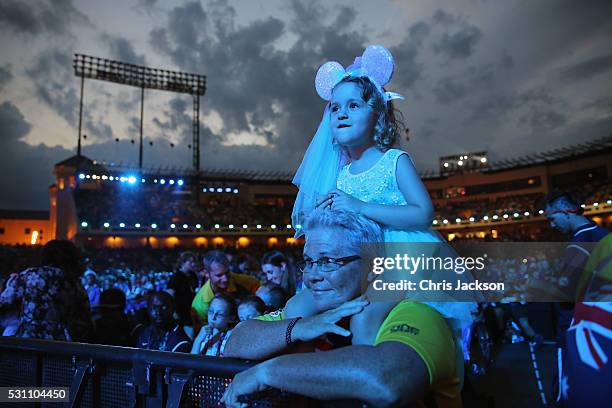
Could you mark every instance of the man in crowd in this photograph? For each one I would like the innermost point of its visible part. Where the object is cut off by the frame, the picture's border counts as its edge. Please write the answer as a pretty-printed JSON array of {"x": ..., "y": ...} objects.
[
  {"x": 182, "y": 283},
  {"x": 164, "y": 333},
  {"x": 220, "y": 280},
  {"x": 92, "y": 288},
  {"x": 413, "y": 355},
  {"x": 583, "y": 369}
]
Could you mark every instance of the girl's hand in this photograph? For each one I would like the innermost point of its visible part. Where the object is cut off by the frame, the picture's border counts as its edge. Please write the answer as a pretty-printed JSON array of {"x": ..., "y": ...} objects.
[{"x": 339, "y": 200}]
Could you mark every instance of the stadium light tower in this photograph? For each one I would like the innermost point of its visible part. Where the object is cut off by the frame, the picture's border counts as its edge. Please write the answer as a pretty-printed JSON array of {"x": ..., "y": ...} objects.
[{"x": 86, "y": 66}]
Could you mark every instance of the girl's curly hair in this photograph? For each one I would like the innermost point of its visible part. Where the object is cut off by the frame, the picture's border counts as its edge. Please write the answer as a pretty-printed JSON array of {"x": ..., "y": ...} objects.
[{"x": 389, "y": 125}]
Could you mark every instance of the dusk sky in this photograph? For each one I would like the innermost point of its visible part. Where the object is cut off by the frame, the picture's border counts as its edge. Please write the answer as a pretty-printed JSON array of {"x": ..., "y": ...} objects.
[{"x": 512, "y": 77}]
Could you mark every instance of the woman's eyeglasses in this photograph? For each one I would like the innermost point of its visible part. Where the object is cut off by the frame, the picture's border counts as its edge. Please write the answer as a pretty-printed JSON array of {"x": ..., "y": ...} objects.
[{"x": 326, "y": 264}]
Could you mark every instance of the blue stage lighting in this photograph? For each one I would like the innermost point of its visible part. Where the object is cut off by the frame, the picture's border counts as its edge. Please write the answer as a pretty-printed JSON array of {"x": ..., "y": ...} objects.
[
  {"x": 122, "y": 225},
  {"x": 84, "y": 224},
  {"x": 171, "y": 182},
  {"x": 204, "y": 190},
  {"x": 111, "y": 178},
  {"x": 137, "y": 225},
  {"x": 185, "y": 226},
  {"x": 142, "y": 180},
  {"x": 106, "y": 225},
  {"x": 131, "y": 179},
  {"x": 235, "y": 191},
  {"x": 153, "y": 225},
  {"x": 162, "y": 181},
  {"x": 155, "y": 181},
  {"x": 219, "y": 190},
  {"x": 172, "y": 226},
  {"x": 180, "y": 182},
  {"x": 228, "y": 190},
  {"x": 81, "y": 176}
]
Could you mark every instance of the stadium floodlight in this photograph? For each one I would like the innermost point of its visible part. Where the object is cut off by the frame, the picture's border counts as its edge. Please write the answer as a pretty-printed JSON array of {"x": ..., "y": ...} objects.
[
  {"x": 180, "y": 182},
  {"x": 472, "y": 219},
  {"x": 142, "y": 180},
  {"x": 88, "y": 176},
  {"x": 299, "y": 226},
  {"x": 81, "y": 176},
  {"x": 457, "y": 220},
  {"x": 84, "y": 224},
  {"x": 495, "y": 217},
  {"x": 582, "y": 205},
  {"x": 228, "y": 190},
  {"x": 137, "y": 225},
  {"x": 445, "y": 221},
  {"x": 171, "y": 182},
  {"x": 609, "y": 202},
  {"x": 162, "y": 181},
  {"x": 258, "y": 226},
  {"x": 219, "y": 190},
  {"x": 516, "y": 215},
  {"x": 231, "y": 226},
  {"x": 526, "y": 213},
  {"x": 245, "y": 226},
  {"x": 131, "y": 179},
  {"x": 460, "y": 163},
  {"x": 506, "y": 215},
  {"x": 122, "y": 224},
  {"x": 288, "y": 226},
  {"x": 204, "y": 189},
  {"x": 595, "y": 204},
  {"x": 86, "y": 66},
  {"x": 486, "y": 218},
  {"x": 483, "y": 159},
  {"x": 446, "y": 164},
  {"x": 185, "y": 226},
  {"x": 172, "y": 226},
  {"x": 111, "y": 178},
  {"x": 155, "y": 181},
  {"x": 106, "y": 225},
  {"x": 435, "y": 222},
  {"x": 217, "y": 226},
  {"x": 235, "y": 191},
  {"x": 198, "y": 226},
  {"x": 273, "y": 226},
  {"x": 104, "y": 177},
  {"x": 154, "y": 226},
  {"x": 541, "y": 212}
]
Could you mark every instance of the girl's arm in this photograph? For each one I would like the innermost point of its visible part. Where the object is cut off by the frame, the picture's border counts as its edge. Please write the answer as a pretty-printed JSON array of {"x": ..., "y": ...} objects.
[
  {"x": 416, "y": 214},
  {"x": 197, "y": 343}
]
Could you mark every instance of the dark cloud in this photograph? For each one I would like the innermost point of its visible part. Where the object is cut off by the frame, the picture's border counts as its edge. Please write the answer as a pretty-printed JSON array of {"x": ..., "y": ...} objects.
[
  {"x": 53, "y": 80},
  {"x": 39, "y": 17},
  {"x": 5, "y": 76},
  {"x": 253, "y": 86},
  {"x": 587, "y": 69},
  {"x": 28, "y": 172},
  {"x": 419, "y": 32},
  {"x": 473, "y": 80},
  {"x": 122, "y": 49},
  {"x": 459, "y": 45}
]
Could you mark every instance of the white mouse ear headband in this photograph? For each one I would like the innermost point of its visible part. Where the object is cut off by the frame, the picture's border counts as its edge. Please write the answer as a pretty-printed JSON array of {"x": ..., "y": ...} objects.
[{"x": 376, "y": 63}]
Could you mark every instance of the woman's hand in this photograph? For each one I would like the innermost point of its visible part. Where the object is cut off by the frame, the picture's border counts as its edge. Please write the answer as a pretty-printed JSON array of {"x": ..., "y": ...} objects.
[
  {"x": 339, "y": 200},
  {"x": 244, "y": 383},
  {"x": 310, "y": 328}
]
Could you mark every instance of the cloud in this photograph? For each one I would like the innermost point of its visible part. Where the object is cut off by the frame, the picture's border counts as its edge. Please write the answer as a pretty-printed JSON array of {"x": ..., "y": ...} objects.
[
  {"x": 459, "y": 45},
  {"x": 587, "y": 69},
  {"x": 39, "y": 17},
  {"x": 26, "y": 171},
  {"x": 122, "y": 49},
  {"x": 5, "y": 76},
  {"x": 470, "y": 82}
]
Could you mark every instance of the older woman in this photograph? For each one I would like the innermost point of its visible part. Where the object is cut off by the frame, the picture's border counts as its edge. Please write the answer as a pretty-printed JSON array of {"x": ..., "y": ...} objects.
[{"x": 413, "y": 353}]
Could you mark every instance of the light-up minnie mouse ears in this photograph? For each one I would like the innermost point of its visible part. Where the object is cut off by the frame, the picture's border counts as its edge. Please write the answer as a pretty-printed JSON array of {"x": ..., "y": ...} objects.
[{"x": 376, "y": 63}]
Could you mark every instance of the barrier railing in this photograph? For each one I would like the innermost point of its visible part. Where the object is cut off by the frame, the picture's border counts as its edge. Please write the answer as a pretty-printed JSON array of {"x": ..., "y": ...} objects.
[{"x": 110, "y": 376}]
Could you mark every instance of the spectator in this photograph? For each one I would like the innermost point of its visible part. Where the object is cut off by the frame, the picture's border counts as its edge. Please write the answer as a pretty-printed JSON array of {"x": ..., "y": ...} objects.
[
  {"x": 222, "y": 316},
  {"x": 182, "y": 283},
  {"x": 414, "y": 339},
  {"x": 92, "y": 288},
  {"x": 273, "y": 295},
  {"x": 54, "y": 303},
  {"x": 250, "y": 308},
  {"x": 164, "y": 333},
  {"x": 277, "y": 268},
  {"x": 113, "y": 326},
  {"x": 220, "y": 280}
]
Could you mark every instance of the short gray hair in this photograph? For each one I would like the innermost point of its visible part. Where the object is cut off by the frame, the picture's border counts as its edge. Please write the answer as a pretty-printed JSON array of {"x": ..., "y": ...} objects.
[{"x": 360, "y": 230}]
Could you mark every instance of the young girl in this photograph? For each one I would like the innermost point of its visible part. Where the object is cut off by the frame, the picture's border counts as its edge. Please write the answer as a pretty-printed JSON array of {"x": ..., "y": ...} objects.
[
  {"x": 351, "y": 165},
  {"x": 222, "y": 315}
]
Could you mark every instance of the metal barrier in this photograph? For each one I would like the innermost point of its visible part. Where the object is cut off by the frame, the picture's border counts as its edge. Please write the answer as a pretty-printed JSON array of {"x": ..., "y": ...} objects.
[{"x": 110, "y": 376}]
